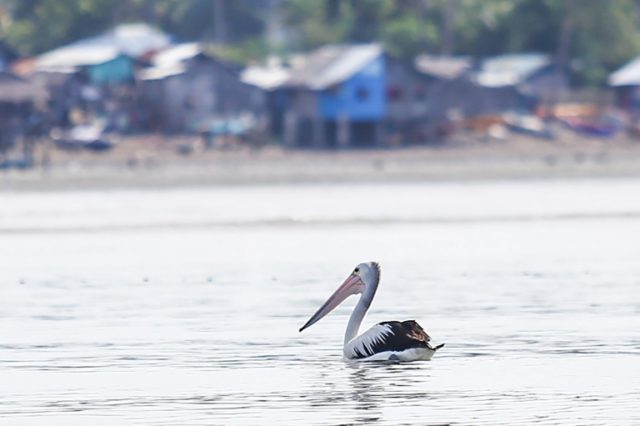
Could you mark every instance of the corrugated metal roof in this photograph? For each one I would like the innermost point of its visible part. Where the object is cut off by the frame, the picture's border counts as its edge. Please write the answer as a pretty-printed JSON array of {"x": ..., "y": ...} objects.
[
  {"x": 161, "y": 72},
  {"x": 446, "y": 67},
  {"x": 177, "y": 54},
  {"x": 132, "y": 39},
  {"x": 170, "y": 61},
  {"x": 174, "y": 61},
  {"x": 333, "y": 64},
  {"x": 71, "y": 57},
  {"x": 509, "y": 70},
  {"x": 628, "y": 75},
  {"x": 266, "y": 77}
]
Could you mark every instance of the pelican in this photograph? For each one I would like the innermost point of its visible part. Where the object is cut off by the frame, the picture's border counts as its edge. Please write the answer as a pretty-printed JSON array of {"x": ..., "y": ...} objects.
[{"x": 386, "y": 341}]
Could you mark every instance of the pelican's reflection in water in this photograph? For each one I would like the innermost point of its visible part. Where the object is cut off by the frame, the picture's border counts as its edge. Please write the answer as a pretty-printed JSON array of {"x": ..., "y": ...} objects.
[
  {"x": 353, "y": 390},
  {"x": 366, "y": 392},
  {"x": 376, "y": 386}
]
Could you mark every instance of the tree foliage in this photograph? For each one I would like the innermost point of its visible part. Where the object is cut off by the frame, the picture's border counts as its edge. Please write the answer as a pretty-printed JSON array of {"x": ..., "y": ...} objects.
[
  {"x": 595, "y": 36},
  {"x": 589, "y": 36},
  {"x": 33, "y": 26}
]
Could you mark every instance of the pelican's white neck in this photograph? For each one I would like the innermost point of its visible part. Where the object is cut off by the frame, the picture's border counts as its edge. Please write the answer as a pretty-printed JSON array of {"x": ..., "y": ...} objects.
[
  {"x": 356, "y": 319},
  {"x": 361, "y": 308}
]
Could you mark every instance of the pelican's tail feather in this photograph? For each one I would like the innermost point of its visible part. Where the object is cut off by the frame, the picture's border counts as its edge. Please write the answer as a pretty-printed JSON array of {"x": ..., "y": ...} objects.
[{"x": 438, "y": 347}]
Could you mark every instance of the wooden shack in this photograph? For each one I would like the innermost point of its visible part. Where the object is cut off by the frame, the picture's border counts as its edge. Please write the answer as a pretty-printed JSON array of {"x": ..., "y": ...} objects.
[
  {"x": 19, "y": 100},
  {"x": 187, "y": 90}
]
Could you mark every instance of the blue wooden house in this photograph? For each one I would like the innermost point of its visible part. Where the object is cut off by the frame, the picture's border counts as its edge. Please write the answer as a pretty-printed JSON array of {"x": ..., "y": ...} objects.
[
  {"x": 346, "y": 96},
  {"x": 335, "y": 97}
]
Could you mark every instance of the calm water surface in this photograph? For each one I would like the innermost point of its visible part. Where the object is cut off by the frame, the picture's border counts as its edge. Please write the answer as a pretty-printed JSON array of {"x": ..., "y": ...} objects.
[{"x": 182, "y": 306}]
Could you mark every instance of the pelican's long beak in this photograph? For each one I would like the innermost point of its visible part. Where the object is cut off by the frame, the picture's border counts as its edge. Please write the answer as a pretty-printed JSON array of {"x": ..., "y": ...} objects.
[{"x": 352, "y": 285}]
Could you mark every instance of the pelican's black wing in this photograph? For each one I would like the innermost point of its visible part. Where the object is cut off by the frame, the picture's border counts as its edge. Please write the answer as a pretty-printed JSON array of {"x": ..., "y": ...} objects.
[{"x": 392, "y": 336}]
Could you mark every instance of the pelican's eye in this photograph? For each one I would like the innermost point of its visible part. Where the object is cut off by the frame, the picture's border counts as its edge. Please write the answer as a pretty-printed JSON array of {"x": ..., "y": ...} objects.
[{"x": 357, "y": 270}]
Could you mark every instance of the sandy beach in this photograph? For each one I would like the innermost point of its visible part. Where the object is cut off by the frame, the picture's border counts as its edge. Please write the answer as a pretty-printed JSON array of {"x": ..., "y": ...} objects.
[{"x": 158, "y": 161}]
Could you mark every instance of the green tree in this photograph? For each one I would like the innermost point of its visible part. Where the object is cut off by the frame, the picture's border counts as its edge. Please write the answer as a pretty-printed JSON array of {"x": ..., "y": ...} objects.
[
  {"x": 37, "y": 25},
  {"x": 33, "y": 26},
  {"x": 606, "y": 35},
  {"x": 590, "y": 37}
]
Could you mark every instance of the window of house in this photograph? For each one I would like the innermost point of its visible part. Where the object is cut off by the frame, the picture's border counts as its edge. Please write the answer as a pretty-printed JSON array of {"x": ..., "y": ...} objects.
[
  {"x": 394, "y": 93},
  {"x": 362, "y": 94}
]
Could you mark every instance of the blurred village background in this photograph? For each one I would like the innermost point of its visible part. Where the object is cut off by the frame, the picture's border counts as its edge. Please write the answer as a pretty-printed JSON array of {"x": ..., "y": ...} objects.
[{"x": 138, "y": 80}]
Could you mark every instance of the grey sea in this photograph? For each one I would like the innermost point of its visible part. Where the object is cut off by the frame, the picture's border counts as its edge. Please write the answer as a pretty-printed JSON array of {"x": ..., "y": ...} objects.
[{"x": 182, "y": 306}]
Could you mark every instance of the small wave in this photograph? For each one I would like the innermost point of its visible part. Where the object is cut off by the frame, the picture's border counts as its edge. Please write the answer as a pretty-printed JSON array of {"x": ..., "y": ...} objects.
[{"x": 312, "y": 222}]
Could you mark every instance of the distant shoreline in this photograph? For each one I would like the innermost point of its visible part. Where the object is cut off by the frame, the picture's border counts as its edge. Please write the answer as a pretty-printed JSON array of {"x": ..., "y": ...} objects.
[{"x": 155, "y": 162}]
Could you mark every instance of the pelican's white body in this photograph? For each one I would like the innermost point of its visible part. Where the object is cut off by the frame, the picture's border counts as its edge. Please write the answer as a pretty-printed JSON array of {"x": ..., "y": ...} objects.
[{"x": 408, "y": 355}]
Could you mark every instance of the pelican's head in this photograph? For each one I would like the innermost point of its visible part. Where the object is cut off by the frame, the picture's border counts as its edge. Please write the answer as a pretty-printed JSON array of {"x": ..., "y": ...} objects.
[{"x": 364, "y": 279}]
